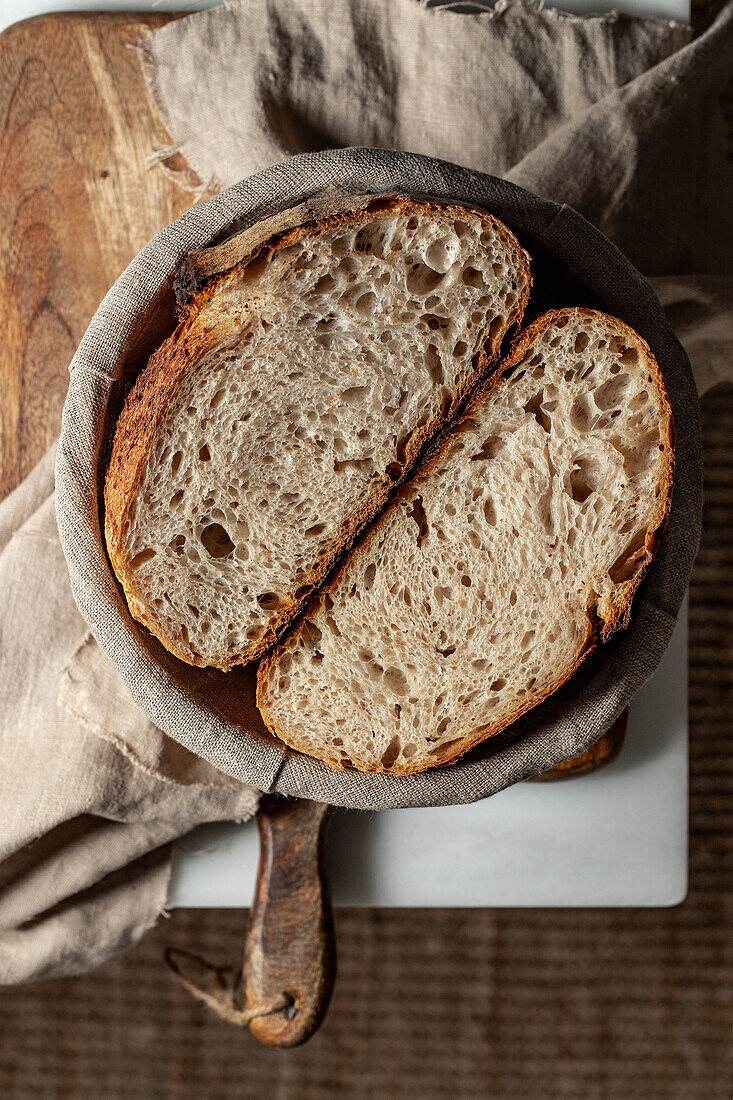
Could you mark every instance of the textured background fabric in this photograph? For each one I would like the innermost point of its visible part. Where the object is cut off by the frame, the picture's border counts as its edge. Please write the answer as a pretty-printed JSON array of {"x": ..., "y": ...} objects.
[{"x": 512, "y": 1004}]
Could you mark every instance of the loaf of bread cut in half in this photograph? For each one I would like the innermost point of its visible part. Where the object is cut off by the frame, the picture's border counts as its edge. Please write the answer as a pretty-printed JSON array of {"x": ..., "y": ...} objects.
[
  {"x": 296, "y": 393},
  {"x": 516, "y": 548}
]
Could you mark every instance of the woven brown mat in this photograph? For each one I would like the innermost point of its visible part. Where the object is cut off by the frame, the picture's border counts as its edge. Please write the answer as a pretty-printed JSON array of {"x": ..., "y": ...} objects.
[{"x": 586, "y": 1004}]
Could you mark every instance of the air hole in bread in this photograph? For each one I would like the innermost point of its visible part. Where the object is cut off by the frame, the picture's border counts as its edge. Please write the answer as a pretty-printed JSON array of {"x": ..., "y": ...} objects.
[
  {"x": 363, "y": 241},
  {"x": 434, "y": 322},
  {"x": 434, "y": 363},
  {"x": 446, "y": 401},
  {"x": 325, "y": 284},
  {"x": 332, "y": 626},
  {"x": 443, "y": 725},
  {"x": 310, "y": 634},
  {"x": 611, "y": 393},
  {"x": 582, "y": 413},
  {"x": 269, "y": 601},
  {"x": 391, "y": 753},
  {"x": 354, "y": 394},
  {"x": 417, "y": 513},
  {"x": 402, "y": 442},
  {"x": 630, "y": 561},
  {"x": 366, "y": 465},
  {"x": 638, "y": 456},
  {"x": 585, "y": 478},
  {"x": 441, "y": 254},
  {"x": 177, "y": 498},
  {"x": 490, "y": 448},
  {"x": 366, "y": 303},
  {"x": 422, "y": 280},
  {"x": 204, "y": 453},
  {"x": 143, "y": 557},
  {"x": 534, "y": 406},
  {"x": 495, "y": 328},
  {"x": 216, "y": 541},
  {"x": 471, "y": 276},
  {"x": 396, "y": 680},
  {"x": 315, "y": 531}
]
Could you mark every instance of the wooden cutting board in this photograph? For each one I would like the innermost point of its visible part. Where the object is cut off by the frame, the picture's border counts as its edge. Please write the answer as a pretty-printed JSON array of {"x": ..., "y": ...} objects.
[{"x": 77, "y": 202}]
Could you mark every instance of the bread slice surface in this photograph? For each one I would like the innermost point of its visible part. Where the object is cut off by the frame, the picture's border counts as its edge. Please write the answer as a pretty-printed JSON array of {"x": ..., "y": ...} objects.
[
  {"x": 277, "y": 419},
  {"x": 516, "y": 547}
]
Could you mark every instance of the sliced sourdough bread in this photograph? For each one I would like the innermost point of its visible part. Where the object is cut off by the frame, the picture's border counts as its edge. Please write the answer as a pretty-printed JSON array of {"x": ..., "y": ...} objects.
[
  {"x": 274, "y": 423},
  {"x": 515, "y": 548}
]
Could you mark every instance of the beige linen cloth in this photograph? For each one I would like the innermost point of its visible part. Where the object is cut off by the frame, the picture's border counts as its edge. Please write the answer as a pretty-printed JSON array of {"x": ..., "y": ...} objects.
[{"x": 618, "y": 117}]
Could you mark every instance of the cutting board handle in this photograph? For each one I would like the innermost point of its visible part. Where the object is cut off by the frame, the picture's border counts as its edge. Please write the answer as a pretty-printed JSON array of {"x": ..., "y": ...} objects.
[
  {"x": 285, "y": 982},
  {"x": 290, "y": 949}
]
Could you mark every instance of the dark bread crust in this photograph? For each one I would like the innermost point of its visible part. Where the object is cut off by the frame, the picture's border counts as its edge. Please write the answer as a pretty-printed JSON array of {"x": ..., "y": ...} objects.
[
  {"x": 600, "y": 629},
  {"x": 196, "y": 335}
]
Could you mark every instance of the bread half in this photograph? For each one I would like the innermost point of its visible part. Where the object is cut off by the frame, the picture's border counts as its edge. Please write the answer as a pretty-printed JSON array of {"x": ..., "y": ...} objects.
[
  {"x": 274, "y": 423},
  {"x": 516, "y": 548}
]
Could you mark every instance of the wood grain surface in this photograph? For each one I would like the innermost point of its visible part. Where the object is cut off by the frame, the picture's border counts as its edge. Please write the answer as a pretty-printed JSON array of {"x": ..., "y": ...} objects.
[
  {"x": 290, "y": 947},
  {"x": 77, "y": 202}
]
